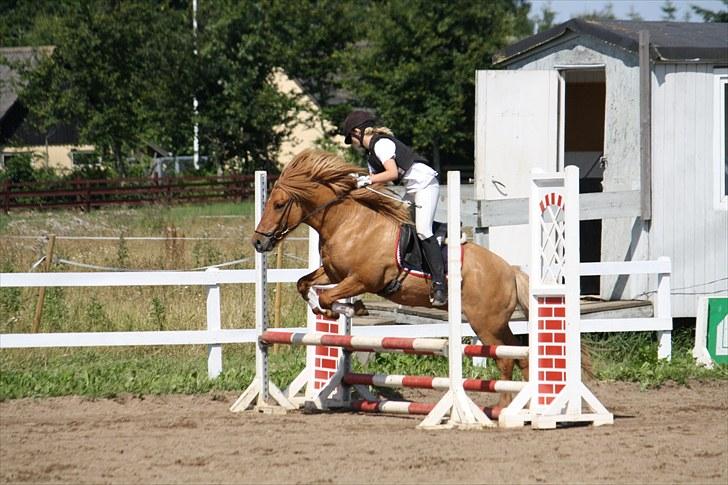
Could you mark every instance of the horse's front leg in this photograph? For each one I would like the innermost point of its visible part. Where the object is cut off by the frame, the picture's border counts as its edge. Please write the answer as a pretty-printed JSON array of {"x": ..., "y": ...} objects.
[
  {"x": 305, "y": 284},
  {"x": 319, "y": 277},
  {"x": 346, "y": 288}
]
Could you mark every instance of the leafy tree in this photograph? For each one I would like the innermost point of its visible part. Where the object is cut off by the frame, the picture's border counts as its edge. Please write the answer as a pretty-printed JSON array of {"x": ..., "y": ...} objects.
[
  {"x": 416, "y": 67},
  {"x": 239, "y": 108},
  {"x": 711, "y": 15},
  {"x": 606, "y": 13},
  {"x": 669, "y": 9},
  {"x": 634, "y": 14},
  {"x": 126, "y": 73},
  {"x": 24, "y": 23},
  {"x": 118, "y": 72},
  {"x": 545, "y": 20},
  {"x": 308, "y": 36}
]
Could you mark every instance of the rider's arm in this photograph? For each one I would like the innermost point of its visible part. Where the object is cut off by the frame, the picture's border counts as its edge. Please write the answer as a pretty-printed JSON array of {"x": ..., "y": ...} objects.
[{"x": 390, "y": 173}]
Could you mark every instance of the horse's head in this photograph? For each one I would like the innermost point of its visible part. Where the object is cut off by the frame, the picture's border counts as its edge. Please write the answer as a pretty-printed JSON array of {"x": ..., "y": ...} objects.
[
  {"x": 313, "y": 181},
  {"x": 281, "y": 215}
]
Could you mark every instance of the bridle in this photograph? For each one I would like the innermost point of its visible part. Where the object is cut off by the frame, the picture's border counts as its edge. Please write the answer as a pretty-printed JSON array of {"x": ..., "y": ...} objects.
[{"x": 280, "y": 232}]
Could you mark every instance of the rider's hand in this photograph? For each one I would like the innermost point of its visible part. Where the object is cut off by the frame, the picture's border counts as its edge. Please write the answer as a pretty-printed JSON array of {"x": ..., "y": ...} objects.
[{"x": 363, "y": 181}]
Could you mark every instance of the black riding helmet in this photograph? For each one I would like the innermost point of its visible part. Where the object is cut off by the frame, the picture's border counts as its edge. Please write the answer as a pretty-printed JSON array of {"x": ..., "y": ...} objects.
[{"x": 357, "y": 119}]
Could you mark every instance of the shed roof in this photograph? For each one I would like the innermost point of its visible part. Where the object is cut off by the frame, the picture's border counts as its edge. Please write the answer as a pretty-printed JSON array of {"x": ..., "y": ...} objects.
[{"x": 669, "y": 41}]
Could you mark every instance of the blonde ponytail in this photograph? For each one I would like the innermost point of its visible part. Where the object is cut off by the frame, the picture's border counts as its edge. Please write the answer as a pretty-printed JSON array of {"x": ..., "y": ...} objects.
[{"x": 380, "y": 130}]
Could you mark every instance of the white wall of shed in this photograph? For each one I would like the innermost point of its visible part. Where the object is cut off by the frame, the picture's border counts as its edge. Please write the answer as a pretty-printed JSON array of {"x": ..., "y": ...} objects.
[
  {"x": 623, "y": 239},
  {"x": 687, "y": 227}
]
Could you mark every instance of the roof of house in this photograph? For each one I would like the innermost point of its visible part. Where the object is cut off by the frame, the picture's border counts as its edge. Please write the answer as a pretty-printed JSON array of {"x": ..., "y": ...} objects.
[
  {"x": 8, "y": 75},
  {"x": 669, "y": 41}
]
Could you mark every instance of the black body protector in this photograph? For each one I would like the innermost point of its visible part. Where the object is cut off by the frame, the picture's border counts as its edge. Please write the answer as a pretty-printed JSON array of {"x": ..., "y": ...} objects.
[{"x": 404, "y": 156}]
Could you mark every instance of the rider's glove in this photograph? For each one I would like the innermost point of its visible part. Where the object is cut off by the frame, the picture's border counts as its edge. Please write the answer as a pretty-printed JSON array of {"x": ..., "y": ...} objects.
[{"x": 363, "y": 181}]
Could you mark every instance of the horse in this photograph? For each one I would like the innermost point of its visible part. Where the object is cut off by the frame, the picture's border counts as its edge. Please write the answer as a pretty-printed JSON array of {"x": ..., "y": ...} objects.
[{"x": 358, "y": 232}]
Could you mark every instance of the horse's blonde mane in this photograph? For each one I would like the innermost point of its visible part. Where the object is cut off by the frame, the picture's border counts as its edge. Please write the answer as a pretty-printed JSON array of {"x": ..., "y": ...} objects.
[{"x": 312, "y": 167}]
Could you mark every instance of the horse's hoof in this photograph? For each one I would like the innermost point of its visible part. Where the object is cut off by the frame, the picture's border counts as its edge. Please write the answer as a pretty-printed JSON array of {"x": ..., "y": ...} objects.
[
  {"x": 330, "y": 314},
  {"x": 359, "y": 309}
]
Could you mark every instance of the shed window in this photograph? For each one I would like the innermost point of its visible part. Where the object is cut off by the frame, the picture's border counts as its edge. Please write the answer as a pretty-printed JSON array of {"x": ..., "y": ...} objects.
[{"x": 720, "y": 141}]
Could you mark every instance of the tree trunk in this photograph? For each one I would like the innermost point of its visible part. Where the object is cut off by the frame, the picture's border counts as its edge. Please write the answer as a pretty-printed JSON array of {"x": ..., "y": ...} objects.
[{"x": 119, "y": 161}]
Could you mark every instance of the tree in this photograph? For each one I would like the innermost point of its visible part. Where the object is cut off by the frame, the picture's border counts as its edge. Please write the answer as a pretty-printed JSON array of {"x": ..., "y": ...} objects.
[
  {"x": 710, "y": 15},
  {"x": 24, "y": 23},
  {"x": 545, "y": 20},
  {"x": 118, "y": 72},
  {"x": 606, "y": 13},
  {"x": 243, "y": 118},
  {"x": 308, "y": 37},
  {"x": 634, "y": 14},
  {"x": 416, "y": 67},
  {"x": 668, "y": 10}
]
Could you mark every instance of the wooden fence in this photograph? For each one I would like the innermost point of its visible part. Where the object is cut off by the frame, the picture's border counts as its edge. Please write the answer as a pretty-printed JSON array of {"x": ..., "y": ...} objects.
[{"x": 87, "y": 194}]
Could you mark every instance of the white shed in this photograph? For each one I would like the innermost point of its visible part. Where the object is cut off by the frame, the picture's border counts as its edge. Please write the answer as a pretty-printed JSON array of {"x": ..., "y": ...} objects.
[{"x": 641, "y": 108}]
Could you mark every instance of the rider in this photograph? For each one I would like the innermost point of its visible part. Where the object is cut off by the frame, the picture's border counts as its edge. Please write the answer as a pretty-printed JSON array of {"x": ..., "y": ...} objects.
[{"x": 390, "y": 160}]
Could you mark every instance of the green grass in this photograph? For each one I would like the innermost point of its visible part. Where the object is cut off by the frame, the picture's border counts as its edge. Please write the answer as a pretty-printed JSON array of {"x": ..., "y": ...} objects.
[
  {"x": 108, "y": 372},
  {"x": 633, "y": 358},
  {"x": 137, "y": 371}
]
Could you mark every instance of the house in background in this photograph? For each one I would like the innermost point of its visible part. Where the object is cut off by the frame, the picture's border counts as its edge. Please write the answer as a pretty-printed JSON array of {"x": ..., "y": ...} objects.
[
  {"x": 58, "y": 148},
  {"x": 572, "y": 95},
  {"x": 309, "y": 128}
]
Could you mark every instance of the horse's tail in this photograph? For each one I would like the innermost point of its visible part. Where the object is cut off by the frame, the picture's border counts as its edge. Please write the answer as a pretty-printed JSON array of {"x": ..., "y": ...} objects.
[{"x": 522, "y": 289}]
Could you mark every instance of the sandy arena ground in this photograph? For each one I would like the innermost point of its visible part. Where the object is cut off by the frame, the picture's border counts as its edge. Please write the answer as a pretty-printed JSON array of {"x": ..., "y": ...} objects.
[{"x": 671, "y": 435}]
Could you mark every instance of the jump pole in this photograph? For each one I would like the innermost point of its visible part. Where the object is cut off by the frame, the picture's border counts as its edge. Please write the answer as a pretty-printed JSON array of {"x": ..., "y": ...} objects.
[
  {"x": 555, "y": 389},
  {"x": 262, "y": 393},
  {"x": 462, "y": 411}
]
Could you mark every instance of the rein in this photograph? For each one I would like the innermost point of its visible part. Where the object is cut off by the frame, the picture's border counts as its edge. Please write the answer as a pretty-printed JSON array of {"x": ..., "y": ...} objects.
[{"x": 279, "y": 233}]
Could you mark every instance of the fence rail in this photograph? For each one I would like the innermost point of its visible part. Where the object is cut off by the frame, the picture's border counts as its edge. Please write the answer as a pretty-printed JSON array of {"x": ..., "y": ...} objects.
[
  {"x": 94, "y": 193},
  {"x": 214, "y": 336}
]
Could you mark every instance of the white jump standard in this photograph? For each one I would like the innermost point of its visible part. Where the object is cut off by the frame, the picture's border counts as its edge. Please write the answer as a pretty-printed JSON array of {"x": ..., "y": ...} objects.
[{"x": 555, "y": 390}]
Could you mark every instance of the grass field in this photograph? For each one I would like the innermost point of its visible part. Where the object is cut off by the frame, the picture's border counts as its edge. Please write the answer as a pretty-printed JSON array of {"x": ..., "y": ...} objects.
[{"x": 205, "y": 235}]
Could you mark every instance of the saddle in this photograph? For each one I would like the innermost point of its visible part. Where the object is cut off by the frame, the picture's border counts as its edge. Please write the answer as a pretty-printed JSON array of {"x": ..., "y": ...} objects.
[{"x": 409, "y": 256}]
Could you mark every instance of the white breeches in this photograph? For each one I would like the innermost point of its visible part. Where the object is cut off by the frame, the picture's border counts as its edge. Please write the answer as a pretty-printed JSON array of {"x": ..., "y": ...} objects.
[{"x": 425, "y": 200}]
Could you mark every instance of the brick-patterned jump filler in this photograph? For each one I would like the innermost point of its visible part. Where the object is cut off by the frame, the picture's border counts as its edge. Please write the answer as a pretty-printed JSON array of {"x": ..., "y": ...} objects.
[{"x": 555, "y": 391}]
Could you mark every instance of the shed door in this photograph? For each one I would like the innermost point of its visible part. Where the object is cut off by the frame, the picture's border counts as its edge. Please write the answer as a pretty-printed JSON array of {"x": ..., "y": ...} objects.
[{"x": 518, "y": 127}]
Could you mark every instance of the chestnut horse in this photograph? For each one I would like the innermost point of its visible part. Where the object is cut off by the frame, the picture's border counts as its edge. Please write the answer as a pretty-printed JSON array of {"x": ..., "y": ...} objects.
[{"x": 358, "y": 232}]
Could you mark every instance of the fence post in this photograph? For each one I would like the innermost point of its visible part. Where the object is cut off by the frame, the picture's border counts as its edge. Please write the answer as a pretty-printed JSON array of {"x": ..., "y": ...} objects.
[
  {"x": 663, "y": 310},
  {"x": 41, "y": 290},
  {"x": 214, "y": 351},
  {"x": 6, "y": 196}
]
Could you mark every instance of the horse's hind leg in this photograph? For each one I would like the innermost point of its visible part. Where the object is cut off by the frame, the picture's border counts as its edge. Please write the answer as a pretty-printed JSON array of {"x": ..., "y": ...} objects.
[{"x": 493, "y": 332}]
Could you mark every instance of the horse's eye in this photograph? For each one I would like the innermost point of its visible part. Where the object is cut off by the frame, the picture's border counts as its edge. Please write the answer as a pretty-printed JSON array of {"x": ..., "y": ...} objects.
[{"x": 279, "y": 205}]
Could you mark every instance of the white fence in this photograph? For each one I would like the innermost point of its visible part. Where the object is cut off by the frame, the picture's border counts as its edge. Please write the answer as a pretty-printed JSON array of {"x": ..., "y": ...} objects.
[{"x": 214, "y": 336}]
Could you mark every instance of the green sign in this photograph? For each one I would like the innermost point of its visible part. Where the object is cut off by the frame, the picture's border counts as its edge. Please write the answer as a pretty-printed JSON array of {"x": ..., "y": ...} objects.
[{"x": 718, "y": 330}]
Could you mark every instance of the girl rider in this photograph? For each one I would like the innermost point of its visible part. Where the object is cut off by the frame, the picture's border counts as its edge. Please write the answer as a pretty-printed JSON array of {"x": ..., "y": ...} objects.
[{"x": 390, "y": 160}]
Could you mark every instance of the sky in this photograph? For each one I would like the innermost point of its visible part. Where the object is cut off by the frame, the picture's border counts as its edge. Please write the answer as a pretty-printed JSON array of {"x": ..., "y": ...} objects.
[{"x": 648, "y": 9}]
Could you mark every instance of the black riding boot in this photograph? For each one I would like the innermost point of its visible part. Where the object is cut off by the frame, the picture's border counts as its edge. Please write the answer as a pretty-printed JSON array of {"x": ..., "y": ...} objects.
[{"x": 433, "y": 256}]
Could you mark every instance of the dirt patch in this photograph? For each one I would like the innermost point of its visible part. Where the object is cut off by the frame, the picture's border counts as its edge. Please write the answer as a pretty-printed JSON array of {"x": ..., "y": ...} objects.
[{"x": 671, "y": 435}]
